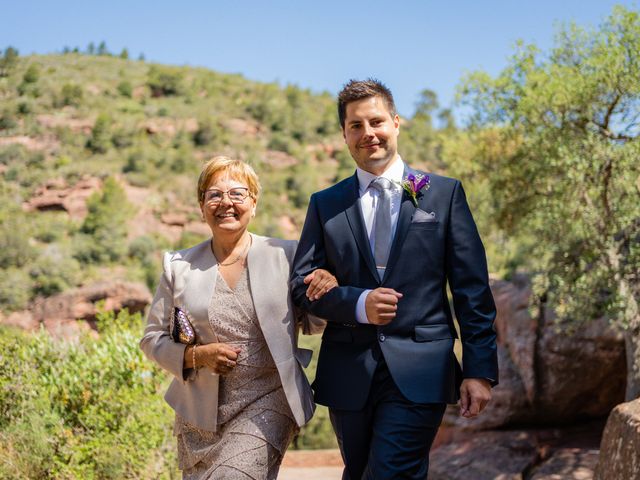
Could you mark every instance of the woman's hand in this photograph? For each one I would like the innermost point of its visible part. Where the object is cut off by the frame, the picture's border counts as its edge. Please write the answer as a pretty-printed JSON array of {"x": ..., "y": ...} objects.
[
  {"x": 320, "y": 282},
  {"x": 219, "y": 357}
]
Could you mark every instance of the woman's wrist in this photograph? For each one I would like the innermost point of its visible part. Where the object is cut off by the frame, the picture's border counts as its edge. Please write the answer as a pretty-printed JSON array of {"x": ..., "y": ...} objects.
[{"x": 194, "y": 356}]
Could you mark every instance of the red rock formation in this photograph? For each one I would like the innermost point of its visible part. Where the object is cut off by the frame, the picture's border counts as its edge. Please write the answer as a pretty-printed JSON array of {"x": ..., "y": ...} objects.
[
  {"x": 548, "y": 375},
  {"x": 620, "y": 447},
  {"x": 68, "y": 314}
]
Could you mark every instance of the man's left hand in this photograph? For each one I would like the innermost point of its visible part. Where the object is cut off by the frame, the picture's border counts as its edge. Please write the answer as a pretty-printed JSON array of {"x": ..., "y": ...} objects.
[{"x": 475, "y": 393}]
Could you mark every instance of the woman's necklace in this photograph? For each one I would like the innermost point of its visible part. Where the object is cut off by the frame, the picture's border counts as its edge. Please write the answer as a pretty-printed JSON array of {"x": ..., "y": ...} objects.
[{"x": 242, "y": 254}]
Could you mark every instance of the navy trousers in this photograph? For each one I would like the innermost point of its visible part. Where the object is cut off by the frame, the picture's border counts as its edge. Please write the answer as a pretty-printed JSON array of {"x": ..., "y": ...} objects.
[{"x": 390, "y": 437}]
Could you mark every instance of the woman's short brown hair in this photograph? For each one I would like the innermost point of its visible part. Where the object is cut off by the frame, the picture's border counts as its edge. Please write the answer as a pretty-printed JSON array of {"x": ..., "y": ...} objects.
[{"x": 236, "y": 169}]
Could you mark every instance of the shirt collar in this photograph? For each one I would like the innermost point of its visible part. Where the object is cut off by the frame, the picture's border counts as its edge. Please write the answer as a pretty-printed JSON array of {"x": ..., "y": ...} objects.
[{"x": 393, "y": 173}]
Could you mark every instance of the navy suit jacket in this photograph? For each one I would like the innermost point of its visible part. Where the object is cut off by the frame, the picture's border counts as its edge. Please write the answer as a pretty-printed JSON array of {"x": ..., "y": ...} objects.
[{"x": 418, "y": 344}]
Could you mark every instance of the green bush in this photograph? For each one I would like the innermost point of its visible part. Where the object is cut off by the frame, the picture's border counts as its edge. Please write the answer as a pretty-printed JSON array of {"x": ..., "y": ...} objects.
[
  {"x": 100, "y": 139},
  {"x": 15, "y": 289},
  {"x": 103, "y": 236},
  {"x": 15, "y": 247},
  {"x": 125, "y": 89},
  {"x": 54, "y": 273},
  {"x": 204, "y": 135},
  {"x": 164, "y": 82},
  {"x": 7, "y": 122},
  {"x": 86, "y": 410},
  {"x": 70, "y": 95},
  {"x": 32, "y": 74}
]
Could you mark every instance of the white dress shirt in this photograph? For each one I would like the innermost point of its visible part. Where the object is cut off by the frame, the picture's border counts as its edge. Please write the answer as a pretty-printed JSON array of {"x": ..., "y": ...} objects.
[{"x": 368, "y": 203}]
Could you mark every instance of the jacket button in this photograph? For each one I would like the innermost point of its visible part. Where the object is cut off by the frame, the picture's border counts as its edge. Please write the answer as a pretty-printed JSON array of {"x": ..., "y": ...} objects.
[{"x": 382, "y": 337}]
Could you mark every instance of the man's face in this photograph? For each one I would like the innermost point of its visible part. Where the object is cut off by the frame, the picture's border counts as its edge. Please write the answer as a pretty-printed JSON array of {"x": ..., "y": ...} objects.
[{"x": 371, "y": 134}]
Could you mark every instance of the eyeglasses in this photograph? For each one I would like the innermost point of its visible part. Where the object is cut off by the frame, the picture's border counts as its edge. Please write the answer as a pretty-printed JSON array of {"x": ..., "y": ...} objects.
[{"x": 236, "y": 195}]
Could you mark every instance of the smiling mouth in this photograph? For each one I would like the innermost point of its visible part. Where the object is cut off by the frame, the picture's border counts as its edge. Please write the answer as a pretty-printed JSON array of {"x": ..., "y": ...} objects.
[
  {"x": 371, "y": 145},
  {"x": 227, "y": 215}
]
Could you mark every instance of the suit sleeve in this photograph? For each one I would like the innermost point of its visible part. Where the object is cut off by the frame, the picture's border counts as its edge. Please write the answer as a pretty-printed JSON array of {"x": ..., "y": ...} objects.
[
  {"x": 156, "y": 342},
  {"x": 468, "y": 278},
  {"x": 338, "y": 304},
  {"x": 307, "y": 323}
]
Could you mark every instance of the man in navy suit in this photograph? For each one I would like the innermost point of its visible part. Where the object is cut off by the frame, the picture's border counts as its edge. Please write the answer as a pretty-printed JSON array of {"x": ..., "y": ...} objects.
[{"x": 394, "y": 237}]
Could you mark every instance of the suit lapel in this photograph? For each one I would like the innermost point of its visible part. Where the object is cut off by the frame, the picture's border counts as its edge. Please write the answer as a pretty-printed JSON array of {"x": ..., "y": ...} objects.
[
  {"x": 407, "y": 208},
  {"x": 354, "y": 217}
]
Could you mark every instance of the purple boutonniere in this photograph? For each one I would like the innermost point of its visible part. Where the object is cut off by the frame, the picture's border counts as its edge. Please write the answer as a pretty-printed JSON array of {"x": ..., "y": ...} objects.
[{"x": 414, "y": 183}]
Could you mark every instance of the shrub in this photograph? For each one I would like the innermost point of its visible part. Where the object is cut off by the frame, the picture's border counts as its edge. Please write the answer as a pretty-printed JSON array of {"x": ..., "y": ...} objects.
[
  {"x": 70, "y": 95},
  {"x": 204, "y": 135},
  {"x": 7, "y": 122},
  {"x": 100, "y": 139},
  {"x": 103, "y": 236},
  {"x": 52, "y": 274},
  {"x": 15, "y": 288},
  {"x": 164, "y": 82},
  {"x": 24, "y": 108},
  {"x": 32, "y": 75},
  {"x": 125, "y": 89},
  {"x": 15, "y": 248},
  {"x": 90, "y": 410},
  {"x": 122, "y": 138}
]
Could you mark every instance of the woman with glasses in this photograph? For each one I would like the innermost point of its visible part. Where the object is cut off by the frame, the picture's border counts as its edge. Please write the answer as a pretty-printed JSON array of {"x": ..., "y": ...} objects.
[{"x": 222, "y": 322}]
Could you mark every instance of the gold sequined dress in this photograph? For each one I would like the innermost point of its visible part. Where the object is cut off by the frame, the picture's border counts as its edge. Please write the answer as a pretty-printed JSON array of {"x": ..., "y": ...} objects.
[{"x": 255, "y": 423}]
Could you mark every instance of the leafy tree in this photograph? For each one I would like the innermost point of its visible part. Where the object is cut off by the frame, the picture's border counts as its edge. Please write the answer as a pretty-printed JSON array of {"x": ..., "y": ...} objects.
[
  {"x": 102, "y": 48},
  {"x": 100, "y": 139},
  {"x": 91, "y": 48},
  {"x": 8, "y": 61},
  {"x": 32, "y": 74},
  {"x": 105, "y": 226},
  {"x": 571, "y": 179},
  {"x": 124, "y": 54}
]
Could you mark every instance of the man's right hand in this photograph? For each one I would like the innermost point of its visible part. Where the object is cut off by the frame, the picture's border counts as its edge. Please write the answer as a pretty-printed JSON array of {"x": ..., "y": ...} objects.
[{"x": 381, "y": 305}]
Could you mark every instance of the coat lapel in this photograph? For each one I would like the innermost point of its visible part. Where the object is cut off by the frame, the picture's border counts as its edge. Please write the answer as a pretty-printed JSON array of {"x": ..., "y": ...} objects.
[
  {"x": 354, "y": 216},
  {"x": 268, "y": 279},
  {"x": 407, "y": 208}
]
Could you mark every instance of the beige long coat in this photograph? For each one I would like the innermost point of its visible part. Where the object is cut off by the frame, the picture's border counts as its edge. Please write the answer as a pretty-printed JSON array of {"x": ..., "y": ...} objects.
[{"x": 188, "y": 282}]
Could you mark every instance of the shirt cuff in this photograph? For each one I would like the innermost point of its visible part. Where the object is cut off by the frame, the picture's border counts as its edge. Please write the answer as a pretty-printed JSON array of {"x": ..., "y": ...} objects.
[{"x": 361, "y": 311}]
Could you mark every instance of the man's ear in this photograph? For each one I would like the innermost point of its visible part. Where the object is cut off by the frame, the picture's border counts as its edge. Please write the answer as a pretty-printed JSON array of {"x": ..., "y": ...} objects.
[{"x": 396, "y": 121}]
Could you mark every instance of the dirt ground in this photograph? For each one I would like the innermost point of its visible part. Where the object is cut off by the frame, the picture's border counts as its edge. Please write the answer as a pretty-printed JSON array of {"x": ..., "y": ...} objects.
[{"x": 311, "y": 465}]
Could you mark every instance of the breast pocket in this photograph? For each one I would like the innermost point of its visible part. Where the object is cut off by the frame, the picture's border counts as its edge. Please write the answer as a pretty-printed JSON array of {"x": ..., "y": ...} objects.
[{"x": 424, "y": 226}]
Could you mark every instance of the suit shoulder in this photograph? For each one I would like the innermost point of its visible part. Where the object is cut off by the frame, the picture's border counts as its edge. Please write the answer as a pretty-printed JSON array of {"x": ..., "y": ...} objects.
[{"x": 333, "y": 190}]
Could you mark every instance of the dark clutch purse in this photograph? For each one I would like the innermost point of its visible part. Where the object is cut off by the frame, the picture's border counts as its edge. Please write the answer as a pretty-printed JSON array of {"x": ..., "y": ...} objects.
[{"x": 181, "y": 329}]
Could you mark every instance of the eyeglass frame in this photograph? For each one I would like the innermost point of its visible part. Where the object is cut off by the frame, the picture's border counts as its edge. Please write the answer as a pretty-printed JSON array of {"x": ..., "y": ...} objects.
[{"x": 223, "y": 192}]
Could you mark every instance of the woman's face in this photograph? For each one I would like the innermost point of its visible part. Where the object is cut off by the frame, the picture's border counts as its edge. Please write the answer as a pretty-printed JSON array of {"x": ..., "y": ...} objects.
[{"x": 221, "y": 213}]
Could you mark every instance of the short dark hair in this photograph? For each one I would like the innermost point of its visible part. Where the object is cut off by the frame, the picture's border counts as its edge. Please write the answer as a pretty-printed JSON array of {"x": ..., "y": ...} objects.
[{"x": 358, "y": 89}]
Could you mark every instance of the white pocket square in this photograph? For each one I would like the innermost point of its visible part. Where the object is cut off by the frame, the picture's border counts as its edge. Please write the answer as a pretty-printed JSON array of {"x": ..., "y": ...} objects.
[{"x": 420, "y": 216}]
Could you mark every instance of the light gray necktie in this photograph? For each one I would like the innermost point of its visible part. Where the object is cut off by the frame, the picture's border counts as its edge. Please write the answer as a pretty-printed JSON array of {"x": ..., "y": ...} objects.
[{"x": 382, "y": 234}]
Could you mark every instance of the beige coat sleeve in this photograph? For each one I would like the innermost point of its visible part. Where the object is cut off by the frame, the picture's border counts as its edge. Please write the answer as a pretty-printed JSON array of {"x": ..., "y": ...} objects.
[{"x": 156, "y": 342}]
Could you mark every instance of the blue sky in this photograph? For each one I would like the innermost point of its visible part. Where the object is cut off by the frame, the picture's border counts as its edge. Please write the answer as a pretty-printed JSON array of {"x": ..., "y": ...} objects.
[{"x": 410, "y": 45}]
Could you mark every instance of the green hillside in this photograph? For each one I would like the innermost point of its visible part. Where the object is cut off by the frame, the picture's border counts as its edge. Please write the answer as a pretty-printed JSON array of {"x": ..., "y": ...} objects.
[{"x": 149, "y": 127}]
